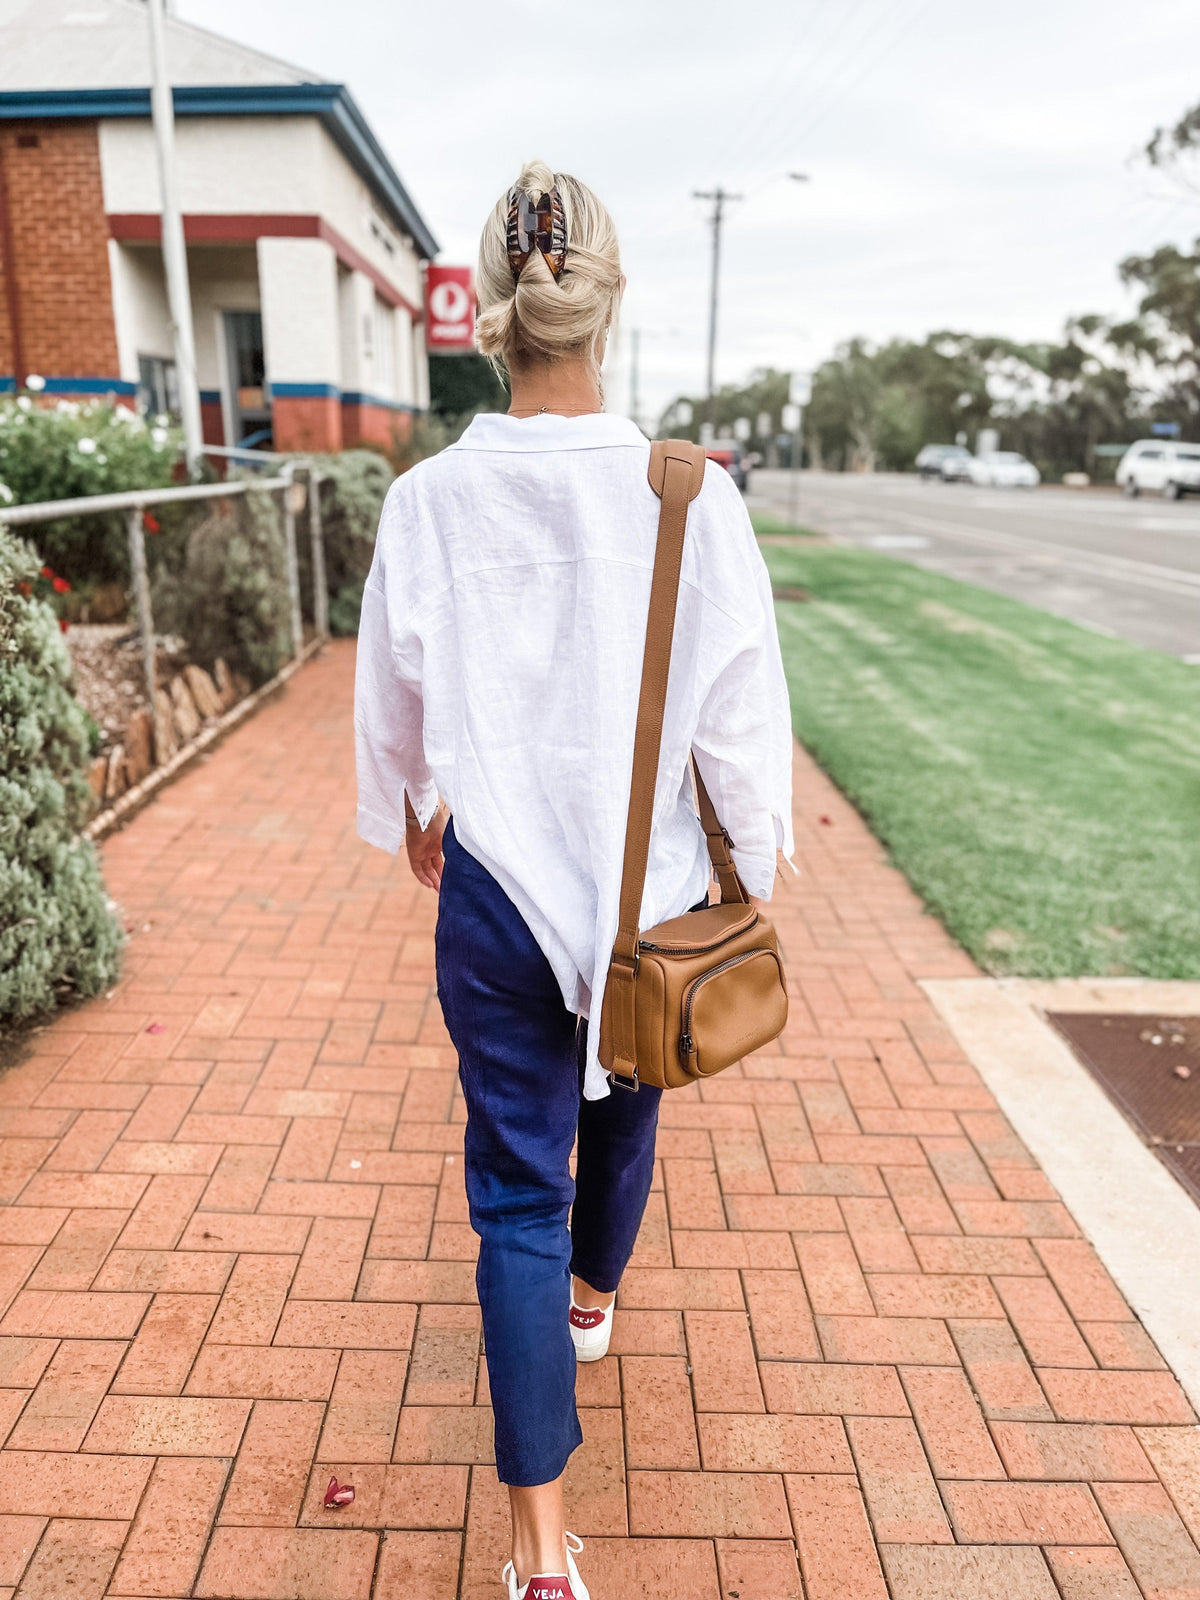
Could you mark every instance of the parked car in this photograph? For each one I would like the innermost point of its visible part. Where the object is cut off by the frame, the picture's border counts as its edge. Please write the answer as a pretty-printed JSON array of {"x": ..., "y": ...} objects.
[
  {"x": 1004, "y": 469},
  {"x": 932, "y": 458},
  {"x": 729, "y": 454},
  {"x": 1173, "y": 469},
  {"x": 956, "y": 468}
]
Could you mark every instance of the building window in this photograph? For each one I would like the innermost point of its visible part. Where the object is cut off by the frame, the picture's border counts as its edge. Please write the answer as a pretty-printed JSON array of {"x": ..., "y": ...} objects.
[
  {"x": 158, "y": 387},
  {"x": 249, "y": 398},
  {"x": 381, "y": 234}
]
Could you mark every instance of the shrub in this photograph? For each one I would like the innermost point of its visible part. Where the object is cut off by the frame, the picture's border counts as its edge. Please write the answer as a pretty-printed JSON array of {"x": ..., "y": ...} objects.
[
  {"x": 56, "y": 932},
  {"x": 227, "y": 596},
  {"x": 353, "y": 488},
  {"x": 70, "y": 449},
  {"x": 345, "y": 609}
]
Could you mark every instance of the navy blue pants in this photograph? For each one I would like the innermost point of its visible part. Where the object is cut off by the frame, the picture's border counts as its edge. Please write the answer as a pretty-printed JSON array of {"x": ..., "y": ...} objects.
[{"x": 521, "y": 1057}]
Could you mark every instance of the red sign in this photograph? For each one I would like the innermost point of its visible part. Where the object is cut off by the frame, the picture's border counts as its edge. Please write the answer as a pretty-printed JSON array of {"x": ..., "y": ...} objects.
[{"x": 449, "y": 309}]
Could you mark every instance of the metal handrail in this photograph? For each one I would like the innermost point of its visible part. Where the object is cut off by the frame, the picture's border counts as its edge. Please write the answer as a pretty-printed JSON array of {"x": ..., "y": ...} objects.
[
  {"x": 133, "y": 502},
  {"x": 86, "y": 505},
  {"x": 247, "y": 453}
]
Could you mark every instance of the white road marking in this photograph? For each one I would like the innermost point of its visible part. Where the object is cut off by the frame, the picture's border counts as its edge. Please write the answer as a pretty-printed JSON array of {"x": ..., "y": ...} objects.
[
  {"x": 1096, "y": 562},
  {"x": 1150, "y": 575}
]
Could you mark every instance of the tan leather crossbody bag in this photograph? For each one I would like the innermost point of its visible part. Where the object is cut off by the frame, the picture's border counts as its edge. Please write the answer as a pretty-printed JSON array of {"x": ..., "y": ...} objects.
[{"x": 690, "y": 997}]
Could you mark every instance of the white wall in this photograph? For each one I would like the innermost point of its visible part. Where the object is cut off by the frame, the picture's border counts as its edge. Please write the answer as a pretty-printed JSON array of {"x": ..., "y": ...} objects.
[
  {"x": 406, "y": 381},
  {"x": 383, "y": 349},
  {"x": 222, "y": 279},
  {"x": 298, "y": 283},
  {"x": 251, "y": 165},
  {"x": 143, "y": 323},
  {"x": 357, "y": 297}
]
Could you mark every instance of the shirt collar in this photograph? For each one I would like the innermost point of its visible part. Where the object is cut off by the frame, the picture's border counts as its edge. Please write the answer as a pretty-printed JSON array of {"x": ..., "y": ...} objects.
[{"x": 495, "y": 430}]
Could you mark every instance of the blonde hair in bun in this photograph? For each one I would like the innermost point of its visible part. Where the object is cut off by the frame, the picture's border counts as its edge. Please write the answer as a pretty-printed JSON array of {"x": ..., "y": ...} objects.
[{"x": 543, "y": 317}]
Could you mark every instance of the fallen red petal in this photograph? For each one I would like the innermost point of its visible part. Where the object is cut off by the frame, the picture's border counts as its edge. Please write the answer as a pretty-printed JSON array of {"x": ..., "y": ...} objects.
[
  {"x": 157, "y": 1027},
  {"x": 826, "y": 822},
  {"x": 338, "y": 1495}
]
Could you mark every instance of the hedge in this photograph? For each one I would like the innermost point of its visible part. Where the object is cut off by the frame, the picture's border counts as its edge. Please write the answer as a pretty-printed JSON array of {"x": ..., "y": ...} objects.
[{"x": 58, "y": 936}]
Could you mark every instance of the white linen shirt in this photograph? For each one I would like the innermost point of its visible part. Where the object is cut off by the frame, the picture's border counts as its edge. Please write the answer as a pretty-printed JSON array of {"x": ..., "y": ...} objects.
[{"x": 499, "y": 664}]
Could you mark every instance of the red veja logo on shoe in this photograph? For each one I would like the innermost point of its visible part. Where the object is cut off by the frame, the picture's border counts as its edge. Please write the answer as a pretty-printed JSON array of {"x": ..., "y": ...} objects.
[{"x": 586, "y": 1319}]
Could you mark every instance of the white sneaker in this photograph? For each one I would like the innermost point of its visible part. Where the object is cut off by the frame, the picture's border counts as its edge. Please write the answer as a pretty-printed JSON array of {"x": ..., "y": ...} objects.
[
  {"x": 591, "y": 1329},
  {"x": 566, "y": 1585}
]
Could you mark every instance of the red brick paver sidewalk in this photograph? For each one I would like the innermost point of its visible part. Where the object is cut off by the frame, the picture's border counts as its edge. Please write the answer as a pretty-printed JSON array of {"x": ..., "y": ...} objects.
[{"x": 235, "y": 1259}]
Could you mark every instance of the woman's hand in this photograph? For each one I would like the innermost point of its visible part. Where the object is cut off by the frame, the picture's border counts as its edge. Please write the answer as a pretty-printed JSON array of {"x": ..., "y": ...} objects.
[{"x": 424, "y": 848}]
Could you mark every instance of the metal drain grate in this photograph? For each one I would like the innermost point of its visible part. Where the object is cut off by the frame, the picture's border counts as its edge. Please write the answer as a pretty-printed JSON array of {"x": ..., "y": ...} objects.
[{"x": 1150, "y": 1066}]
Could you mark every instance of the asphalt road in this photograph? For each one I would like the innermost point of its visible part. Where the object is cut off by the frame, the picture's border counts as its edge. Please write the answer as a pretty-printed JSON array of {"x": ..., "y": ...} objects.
[{"x": 1128, "y": 568}]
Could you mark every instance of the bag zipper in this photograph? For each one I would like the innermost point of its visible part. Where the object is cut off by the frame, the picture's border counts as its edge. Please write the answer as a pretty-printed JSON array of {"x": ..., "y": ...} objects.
[
  {"x": 698, "y": 949},
  {"x": 685, "y": 1038}
]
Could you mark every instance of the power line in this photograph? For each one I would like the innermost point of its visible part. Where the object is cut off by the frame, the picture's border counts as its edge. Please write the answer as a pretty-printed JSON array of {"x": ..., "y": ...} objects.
[
  {"x": 837, "y": 91},
  {"x": 768, "y": 104},
  {"x": 825, "y": 63}
]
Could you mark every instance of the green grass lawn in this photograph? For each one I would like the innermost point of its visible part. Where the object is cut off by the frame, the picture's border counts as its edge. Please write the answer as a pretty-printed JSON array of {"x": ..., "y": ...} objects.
[
  {"x": 1037, "y": 783},
  {"x": 776, "y": 528}
]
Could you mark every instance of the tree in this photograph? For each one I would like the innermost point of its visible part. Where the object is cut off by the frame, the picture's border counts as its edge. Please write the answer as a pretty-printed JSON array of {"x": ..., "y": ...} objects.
[
  {"x": 1170, "y": 309},
  {"x": 765, "y": 395},
  {"x": 1169, "y": 147},
  {"x": 460, "y": 385}
]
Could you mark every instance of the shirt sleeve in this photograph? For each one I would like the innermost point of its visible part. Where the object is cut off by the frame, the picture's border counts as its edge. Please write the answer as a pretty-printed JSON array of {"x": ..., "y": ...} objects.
[
  {"x": 388, "y": 718},
  {"x": 743, "y": 743}
]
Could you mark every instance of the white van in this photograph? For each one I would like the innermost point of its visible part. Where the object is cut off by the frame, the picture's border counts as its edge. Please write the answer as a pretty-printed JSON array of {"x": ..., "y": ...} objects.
[{"x": 1164, "y": 465}]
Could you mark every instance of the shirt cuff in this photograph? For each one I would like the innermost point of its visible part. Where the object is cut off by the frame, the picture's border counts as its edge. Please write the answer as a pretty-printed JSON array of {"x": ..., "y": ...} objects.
[
  {"x": 784, "y": 842},
  {"x": 424, "y": 802},
  {"x": 382, "y": 832},
  {"x": 756, "y": 872}
]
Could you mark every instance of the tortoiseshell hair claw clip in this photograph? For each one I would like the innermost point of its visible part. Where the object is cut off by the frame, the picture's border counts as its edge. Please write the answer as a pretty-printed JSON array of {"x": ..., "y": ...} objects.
[{"x": 536, "y": 227}]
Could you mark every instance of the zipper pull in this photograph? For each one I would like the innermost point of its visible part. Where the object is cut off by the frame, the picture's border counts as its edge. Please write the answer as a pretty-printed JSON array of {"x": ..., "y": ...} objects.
[{"x": 685, "y": 1046}]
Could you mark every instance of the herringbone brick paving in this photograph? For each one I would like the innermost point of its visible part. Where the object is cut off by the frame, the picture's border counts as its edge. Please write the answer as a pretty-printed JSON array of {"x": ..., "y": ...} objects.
[{"x": 862, "y": 1348}]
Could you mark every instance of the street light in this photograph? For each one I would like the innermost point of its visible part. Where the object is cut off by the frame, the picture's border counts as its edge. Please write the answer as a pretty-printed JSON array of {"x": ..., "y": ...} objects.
[
  {"x": 799, "y": 396},
  {"x": 801, "y": 393}
]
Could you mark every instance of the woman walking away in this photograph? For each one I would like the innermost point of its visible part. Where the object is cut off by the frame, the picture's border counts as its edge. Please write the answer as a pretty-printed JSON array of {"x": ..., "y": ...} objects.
[{"x": 499, "y": 663}]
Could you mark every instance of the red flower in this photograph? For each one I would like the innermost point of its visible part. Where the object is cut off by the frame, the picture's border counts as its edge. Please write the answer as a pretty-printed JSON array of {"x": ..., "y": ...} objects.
[
  {"x": 61, "y": 586},
  {"x": 338, "y": 1494},
  {"x": 150, "y": 522},
  {"x": 63, "y": 624},
  {"x": 47, "y": 572},
  {"x": 25, "y": 588}
]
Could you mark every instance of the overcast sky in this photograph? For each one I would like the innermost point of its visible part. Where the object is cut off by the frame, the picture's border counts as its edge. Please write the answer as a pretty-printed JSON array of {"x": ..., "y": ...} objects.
[{"x": 972, "y": 165}]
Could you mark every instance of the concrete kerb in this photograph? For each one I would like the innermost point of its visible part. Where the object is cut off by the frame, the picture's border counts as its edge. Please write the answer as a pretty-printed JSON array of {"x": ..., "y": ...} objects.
[{"x": 1144, "y": 1225}]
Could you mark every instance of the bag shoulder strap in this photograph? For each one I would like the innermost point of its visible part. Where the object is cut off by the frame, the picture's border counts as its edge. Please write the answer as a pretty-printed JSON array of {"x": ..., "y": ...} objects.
[{"x": 676, "y": 474}]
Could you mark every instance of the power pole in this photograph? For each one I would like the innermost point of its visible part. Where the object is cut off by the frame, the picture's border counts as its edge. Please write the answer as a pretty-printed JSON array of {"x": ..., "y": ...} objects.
[
  {"x": 179, "y": 294},
  {"x": 719, "y": 197}
]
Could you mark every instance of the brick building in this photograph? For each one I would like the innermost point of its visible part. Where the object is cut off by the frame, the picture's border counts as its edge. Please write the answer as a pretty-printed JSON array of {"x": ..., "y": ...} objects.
[{"x": 305, "y": 252}]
